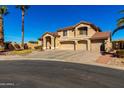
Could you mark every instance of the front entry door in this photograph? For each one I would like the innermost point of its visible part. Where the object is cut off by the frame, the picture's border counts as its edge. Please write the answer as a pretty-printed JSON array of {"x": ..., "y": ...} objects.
[{"x": 48, "y": 42}]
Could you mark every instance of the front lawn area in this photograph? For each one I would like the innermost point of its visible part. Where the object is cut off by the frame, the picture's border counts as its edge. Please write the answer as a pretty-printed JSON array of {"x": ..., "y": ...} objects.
[{"x": 20, "y": 52}]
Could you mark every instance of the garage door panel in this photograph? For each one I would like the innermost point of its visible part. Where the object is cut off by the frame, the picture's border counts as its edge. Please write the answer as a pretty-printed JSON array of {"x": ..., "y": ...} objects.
[
  {"x": 95, "y": 45},
  {"x": 82, "y": 45},
  {"x": 67, "y": 45}
]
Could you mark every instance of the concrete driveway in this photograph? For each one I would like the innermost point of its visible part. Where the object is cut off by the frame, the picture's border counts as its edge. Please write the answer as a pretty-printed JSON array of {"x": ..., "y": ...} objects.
[
  {"x": 38, "y": 73},
  {"x": 65, "y": 55}
]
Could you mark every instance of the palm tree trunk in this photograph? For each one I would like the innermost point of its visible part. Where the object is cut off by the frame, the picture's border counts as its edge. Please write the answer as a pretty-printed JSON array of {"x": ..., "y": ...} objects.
[
  {"x": 23, "y": 28},
  {"x": 1, "y": 33}
]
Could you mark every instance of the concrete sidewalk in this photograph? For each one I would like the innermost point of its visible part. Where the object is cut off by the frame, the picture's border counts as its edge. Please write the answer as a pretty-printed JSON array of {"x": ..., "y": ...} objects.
[
  {"x": 79, "y": 60},
  {"x": 104, "y": 59},
  {"x": 82, "y": 57}
]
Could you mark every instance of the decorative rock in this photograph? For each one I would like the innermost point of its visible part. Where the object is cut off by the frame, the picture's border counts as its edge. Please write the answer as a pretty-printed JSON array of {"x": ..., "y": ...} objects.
[
  {"x": 25, "y": 46},
  {"x": 10, "y": 47},
  {"x": 17, "y": 46}
]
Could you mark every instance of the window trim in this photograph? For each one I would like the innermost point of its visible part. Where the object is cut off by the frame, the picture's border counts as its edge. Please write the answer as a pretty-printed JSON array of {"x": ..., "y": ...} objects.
[
  {"x": 81, "y": 30},
  {"x": 65, "y": 33}
]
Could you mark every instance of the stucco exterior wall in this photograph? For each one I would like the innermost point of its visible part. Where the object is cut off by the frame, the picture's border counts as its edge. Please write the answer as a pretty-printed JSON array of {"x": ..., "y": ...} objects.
[
  {"x": 75, "y": 41},
  {"x": 90, "y": 31},
  {"x": 32, "y": 46},
  {"x": 60, "y": 33},
  {"x": 57, "y": 42},
  {"x": 70, "y": 33},
  {"x": 108, "y": 45},
  {"x": 75, "y": 33}
]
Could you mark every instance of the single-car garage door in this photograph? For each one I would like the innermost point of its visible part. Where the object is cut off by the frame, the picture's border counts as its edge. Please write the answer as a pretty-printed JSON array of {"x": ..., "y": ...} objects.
[
  {"x": 67, "y": 45},
  {"x": 96, "y": 45},
  {"x": 82, "y": 45}
]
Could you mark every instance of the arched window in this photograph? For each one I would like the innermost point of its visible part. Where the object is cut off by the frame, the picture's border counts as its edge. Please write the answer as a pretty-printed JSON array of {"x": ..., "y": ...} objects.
[{"x": 83, "y": 30}]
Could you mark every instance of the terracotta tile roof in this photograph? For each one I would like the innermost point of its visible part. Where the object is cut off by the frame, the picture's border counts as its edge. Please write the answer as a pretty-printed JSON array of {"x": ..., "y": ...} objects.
[
  {"x": 67, "y": 28},
  {"x": 101, "y": 35},
  {"x": 82, "y": 22},
  {"x": 55, "y": 34}
]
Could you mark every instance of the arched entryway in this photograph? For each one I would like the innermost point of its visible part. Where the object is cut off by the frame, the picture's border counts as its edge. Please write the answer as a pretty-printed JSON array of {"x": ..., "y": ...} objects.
[{"x": 48, "y": 42}]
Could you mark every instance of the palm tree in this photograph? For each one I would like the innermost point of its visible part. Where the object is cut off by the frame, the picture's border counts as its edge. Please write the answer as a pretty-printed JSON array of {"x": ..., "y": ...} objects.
[
  {"x": 23, "y": 9},
  {"x": 3, "y": 12},
  {"x": 120, "y": 24}
]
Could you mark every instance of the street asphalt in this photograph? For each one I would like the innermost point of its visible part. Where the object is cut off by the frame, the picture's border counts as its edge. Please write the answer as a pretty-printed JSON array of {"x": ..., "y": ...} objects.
[{"x": 56, "y": 74}]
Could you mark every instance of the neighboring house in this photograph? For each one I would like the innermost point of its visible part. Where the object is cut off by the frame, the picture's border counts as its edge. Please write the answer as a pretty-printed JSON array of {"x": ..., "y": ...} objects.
[{"x": 82, "y": 36}]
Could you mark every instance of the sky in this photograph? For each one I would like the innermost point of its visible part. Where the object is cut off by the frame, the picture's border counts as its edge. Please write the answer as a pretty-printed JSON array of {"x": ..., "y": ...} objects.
[{"x": 43, "y": 18}]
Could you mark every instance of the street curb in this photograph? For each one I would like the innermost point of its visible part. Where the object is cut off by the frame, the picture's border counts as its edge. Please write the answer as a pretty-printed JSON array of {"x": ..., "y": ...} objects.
[
  {"x": 91, "y": 63},
  {"x": 5, "y": 59}
]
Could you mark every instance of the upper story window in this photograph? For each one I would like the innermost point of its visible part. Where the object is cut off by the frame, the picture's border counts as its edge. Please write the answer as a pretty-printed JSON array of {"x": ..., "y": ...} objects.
[
  {"x": 65, "y": 33},
  {"x": 83, "y": 30}
]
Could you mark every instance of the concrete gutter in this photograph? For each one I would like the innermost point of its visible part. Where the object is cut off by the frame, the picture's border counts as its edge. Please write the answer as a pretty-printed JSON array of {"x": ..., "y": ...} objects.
[{"x": 87, "y": 63}]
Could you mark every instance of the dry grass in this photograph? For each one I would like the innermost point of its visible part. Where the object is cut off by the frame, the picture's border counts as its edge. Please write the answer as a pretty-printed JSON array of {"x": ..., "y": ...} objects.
[
  {"x": 21, "y": 52},
  {"x": 1, "y": 49},
  {"x": 117, "y": 62}
]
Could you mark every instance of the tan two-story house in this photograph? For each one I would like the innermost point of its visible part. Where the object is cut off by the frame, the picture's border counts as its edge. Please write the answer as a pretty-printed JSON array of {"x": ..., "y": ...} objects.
[{"x": 82, "y": 36}]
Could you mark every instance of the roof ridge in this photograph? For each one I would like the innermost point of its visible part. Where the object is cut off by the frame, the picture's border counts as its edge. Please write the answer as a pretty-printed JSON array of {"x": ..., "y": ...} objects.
[{"x": 81, "y": 22}]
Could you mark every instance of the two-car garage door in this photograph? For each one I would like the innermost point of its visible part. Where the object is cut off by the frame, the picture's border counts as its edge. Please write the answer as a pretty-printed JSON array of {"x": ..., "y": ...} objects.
[{"x": 69, "y": 45}]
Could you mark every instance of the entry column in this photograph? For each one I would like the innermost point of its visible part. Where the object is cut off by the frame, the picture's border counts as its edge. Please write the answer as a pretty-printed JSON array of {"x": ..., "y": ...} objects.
[
  {"x": 89, "y": 45},
  {"x": 75, "y": 44},
  {"x": 44, "y": 43},
  {"x": 52, "y": 43}
]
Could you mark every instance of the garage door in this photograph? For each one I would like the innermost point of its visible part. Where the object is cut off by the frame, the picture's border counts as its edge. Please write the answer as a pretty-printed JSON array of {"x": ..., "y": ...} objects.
[
  {"x": 95, "y": 45},
  {"x": 82, "y": 45},
  {"x": 67, "y": 45}
]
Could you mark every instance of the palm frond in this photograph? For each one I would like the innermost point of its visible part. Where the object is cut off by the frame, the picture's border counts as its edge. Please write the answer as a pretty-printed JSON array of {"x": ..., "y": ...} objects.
[
  {"x": 117, "y": 29},
  {"x": 6, "y": 13},
  {"x": 120, "y": 21},
  {"x": 17, "y": 6},
  {"x": 27, "y": 6},
  {"x": 3, "y": 10},
  {"x": 122, "y": 11},
  {"x": 20, "y": 7},
  {"x": 23, "y": 7}
]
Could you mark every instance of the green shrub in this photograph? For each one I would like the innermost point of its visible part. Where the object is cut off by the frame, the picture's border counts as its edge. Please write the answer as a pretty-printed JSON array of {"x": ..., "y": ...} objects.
[
  {"x": 38, "y": 48},
  {"x": 39, "y": 38},
  {"x": 120, "y": 53},
  {"x": 33, "y": 42}
]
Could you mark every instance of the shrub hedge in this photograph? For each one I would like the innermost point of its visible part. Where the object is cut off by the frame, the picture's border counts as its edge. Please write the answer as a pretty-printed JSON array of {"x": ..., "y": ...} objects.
[
  {"x": 21, "y": 52},
  {"x": 120, "y": 53},
  {"x": 38, "y": 48},
  {"x": 33, "y": 42}
]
